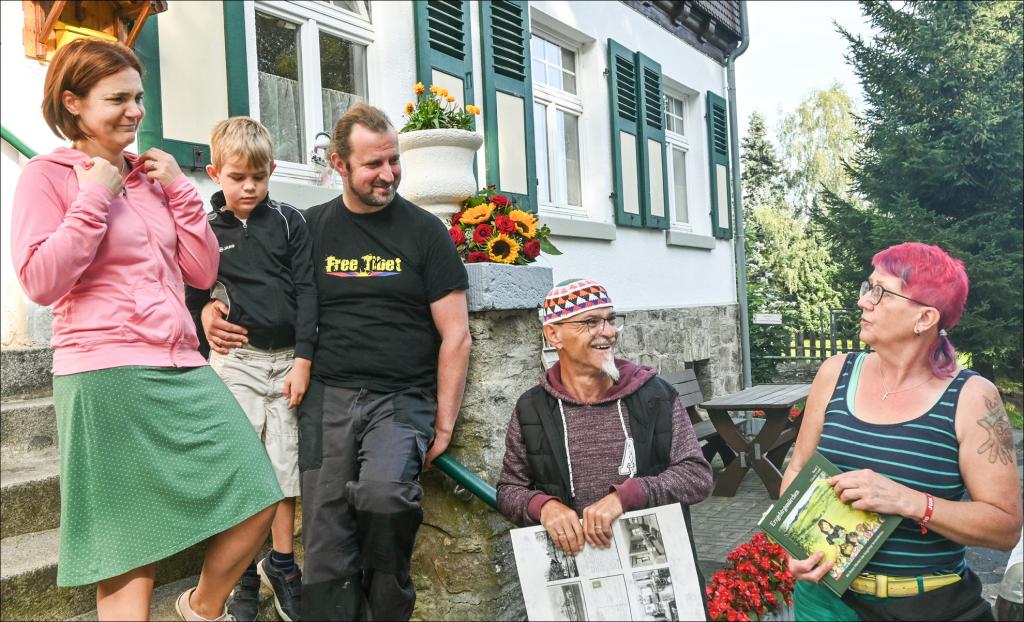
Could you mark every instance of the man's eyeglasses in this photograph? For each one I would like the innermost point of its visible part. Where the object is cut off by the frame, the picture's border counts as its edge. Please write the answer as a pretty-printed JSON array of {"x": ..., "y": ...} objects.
[
  {"x": 595, "y": 325},
  {"x": 874, "y": 293}
]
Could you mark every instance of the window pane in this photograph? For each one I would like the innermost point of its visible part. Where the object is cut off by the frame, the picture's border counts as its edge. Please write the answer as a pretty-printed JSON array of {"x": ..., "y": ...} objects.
[
  {"x": 552, "y": 54},
  {"x": 554, "y": 76},
  {"x": 570, "y": 131},
  {"x": 348, "y": 5},
  {"x": 540, "y": 136},
  {"x": 568, "y": 60},
  {"x": 568, "y": 71},
  {"x": 568, "y": 82},
  {"x": 679, "y": 184},
  {"x": 342, "y": 77},
  {"x": 537, "y": 47},
  {"x": 277, "y": 61}
]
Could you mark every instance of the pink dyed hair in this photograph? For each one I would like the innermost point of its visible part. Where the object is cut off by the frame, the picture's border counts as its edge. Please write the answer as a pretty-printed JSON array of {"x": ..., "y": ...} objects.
[{"x": 931, "y": 275}]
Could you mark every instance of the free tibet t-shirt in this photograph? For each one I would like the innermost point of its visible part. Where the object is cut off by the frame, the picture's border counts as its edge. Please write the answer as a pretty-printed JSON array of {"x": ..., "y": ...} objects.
[{"x": 377, "y": 275}]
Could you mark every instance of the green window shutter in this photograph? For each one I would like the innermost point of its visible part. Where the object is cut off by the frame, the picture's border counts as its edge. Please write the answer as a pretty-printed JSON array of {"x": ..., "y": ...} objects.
[
  {"x": 651, "y": 143},
  {"x": 718, "y": 156},
  {"x": 508, "y": 100},
  {"x": 190, "y": 155},
  {"x": 625, "y": 113},
  {"x": 444, "y": 52}
]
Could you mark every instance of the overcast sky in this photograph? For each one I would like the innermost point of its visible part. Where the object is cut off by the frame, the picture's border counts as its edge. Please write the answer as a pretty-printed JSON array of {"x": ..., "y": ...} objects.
[{"x": 794, "y": 48}]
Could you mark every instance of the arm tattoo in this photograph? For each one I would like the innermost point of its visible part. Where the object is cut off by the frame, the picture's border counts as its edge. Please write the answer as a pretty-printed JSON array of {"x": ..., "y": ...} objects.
[{"x": 999, "y": 445}]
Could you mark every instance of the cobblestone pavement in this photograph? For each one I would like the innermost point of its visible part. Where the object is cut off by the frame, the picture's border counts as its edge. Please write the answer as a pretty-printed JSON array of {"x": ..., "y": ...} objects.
[{"x": 722, "y": 523}]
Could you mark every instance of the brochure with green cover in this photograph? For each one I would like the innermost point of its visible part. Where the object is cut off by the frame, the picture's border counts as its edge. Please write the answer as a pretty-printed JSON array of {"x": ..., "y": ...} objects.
[{"x": 810, "y": 517}]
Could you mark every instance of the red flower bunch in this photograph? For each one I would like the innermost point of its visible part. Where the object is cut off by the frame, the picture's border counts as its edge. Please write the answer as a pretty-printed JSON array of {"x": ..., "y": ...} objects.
[
  {"x": 756, "y": 580},
  {"x": 491, "y": 228}
]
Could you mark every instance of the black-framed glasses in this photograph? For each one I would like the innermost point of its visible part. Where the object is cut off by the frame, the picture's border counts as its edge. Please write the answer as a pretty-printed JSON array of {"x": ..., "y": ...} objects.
[
  {"x": 595, "y": 325},
  {"x": 876, "y": 291}
]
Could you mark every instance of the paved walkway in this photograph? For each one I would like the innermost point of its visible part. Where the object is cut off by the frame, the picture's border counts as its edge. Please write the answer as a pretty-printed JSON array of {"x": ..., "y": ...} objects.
[{"x": 722, "y": 523}]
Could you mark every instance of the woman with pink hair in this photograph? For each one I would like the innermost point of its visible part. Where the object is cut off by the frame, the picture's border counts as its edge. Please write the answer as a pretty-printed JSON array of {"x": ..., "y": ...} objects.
[{"x": 912, "y": 433}]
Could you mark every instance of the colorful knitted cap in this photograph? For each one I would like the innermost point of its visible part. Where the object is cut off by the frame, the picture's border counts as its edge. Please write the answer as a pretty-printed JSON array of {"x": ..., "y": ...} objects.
[{"x": 573, "y": 297}]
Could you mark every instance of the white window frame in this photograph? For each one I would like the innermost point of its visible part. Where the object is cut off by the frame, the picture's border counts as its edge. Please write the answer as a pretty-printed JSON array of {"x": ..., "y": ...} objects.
[
  {"x": 554, "y": 100},
  {"x": 674, "y": 140},
  {"x": 311, "y": 18}
]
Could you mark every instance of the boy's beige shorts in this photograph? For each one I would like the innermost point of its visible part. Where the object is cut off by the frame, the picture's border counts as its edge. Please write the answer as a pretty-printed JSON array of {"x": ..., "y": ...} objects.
[{"x": 256, "y": 378}]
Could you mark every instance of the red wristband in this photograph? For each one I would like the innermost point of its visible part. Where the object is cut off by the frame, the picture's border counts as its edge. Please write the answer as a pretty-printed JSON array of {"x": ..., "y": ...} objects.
[{"x": 929, "y": 507}]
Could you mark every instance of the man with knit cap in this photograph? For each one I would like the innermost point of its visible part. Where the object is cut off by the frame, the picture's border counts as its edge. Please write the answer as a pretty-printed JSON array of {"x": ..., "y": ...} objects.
[{"x": 598, "y": 436}]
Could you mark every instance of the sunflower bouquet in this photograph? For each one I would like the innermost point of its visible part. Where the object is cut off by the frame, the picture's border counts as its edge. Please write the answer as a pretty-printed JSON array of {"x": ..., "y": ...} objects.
[
  {"x": 491, "y": 228},
  {"x": 437, "y": 110}
]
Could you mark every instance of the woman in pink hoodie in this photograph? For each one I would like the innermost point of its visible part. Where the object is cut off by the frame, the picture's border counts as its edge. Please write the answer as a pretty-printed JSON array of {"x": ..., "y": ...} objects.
[{"x": 156, "y": 455}]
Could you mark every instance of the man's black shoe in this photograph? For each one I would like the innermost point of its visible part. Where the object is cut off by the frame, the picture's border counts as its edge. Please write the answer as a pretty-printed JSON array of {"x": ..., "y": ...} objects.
[
  {"x": 245, "y": 600},
  {"x": 287, "y": 589}
]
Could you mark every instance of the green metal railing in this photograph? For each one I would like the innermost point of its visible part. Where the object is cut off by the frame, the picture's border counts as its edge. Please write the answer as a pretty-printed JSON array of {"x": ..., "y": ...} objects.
[
  {"x": 22, "y": 148},
  {"x": 467, "y": 479},
  {"x": 448, "y": 465}
]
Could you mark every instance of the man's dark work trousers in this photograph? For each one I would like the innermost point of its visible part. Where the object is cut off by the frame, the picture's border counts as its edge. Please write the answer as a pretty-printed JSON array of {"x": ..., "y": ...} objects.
[{"x": 360, "y": 453}]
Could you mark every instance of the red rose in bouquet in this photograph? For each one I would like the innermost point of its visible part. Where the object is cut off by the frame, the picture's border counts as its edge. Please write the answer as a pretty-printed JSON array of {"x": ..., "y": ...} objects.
[
  {"x": 458, "y": 237},
  {"x": 477, "y": 257},
  {"x": 531, "y": 249},
  {"x": 504, "y": 224},
  {"x": 500, "y": 200},
  {"x": 482, "y": 233}
]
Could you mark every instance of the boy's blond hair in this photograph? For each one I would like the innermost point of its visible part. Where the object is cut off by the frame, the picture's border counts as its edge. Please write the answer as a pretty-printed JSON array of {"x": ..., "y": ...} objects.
[{"x": 243, "y": 138}]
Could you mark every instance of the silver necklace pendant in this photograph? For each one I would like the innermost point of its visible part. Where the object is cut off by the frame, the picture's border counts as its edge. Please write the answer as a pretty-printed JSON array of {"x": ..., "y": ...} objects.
[{"x": 628, "y": 465}]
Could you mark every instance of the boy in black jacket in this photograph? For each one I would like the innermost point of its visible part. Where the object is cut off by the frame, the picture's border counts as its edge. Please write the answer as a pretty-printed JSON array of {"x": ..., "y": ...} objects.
[{"x": 264, "y": 284}]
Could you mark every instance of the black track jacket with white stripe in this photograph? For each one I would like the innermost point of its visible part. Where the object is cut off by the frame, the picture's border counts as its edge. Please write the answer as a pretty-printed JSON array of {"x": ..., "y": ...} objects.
[{"x": 266, "y": 268}]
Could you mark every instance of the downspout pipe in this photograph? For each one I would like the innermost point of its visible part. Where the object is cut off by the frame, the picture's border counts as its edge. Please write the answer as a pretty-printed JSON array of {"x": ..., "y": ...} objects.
[{"x": 737, "y": 193}]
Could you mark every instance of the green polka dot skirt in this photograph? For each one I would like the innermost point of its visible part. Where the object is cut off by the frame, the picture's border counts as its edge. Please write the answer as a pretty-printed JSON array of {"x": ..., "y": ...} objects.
[{"x": 152, "y": 461}]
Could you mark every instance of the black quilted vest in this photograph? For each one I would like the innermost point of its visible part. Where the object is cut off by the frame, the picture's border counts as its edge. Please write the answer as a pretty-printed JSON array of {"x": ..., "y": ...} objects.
[{"x": 650, "y": 423}]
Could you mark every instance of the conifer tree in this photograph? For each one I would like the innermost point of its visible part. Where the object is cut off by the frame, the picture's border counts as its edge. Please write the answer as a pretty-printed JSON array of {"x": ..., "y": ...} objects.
[{"x": 943, "y": 160}]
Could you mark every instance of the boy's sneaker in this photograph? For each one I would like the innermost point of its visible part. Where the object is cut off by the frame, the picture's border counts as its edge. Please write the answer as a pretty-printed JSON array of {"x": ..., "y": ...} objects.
[
  {"x": 287, "y": 588},
  {"x": 244, "y": 603}
]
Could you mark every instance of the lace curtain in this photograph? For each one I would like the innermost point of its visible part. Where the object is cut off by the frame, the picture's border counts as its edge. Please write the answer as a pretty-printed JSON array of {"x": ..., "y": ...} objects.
[{"x": 281, "y": 112}]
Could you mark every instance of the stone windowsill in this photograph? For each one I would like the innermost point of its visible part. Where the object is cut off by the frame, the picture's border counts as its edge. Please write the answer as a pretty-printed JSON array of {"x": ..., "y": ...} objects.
[
  {"x": 689, "y": 240},
  {"x": 567, "y": 226}
]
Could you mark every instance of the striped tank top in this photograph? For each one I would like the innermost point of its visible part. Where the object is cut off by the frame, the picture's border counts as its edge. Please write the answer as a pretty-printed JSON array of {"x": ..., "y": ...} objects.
[{"x": 921, "y": 453}]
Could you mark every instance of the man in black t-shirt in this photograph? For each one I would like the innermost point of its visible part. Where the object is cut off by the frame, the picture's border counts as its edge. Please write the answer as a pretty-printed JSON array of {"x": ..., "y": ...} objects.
[{"x": 388, "y": 375}]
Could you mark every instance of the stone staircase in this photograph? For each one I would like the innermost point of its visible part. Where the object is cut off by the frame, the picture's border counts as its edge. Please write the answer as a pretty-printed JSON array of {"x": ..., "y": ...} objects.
[{"x": 30, "y": 508}]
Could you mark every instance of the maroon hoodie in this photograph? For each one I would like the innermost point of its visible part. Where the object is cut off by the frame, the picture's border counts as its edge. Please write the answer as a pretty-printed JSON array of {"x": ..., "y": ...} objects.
[{"x": 596, "y": 443}]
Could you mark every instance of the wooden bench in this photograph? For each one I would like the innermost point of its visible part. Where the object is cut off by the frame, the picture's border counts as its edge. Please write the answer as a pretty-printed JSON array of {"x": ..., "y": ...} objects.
[{"x": 685, "y": 383}]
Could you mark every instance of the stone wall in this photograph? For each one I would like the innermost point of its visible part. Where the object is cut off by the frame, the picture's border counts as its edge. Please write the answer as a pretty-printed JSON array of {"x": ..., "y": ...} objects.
[
  {"x": 790, "y": 372},
  {"x": 463, "y": 565},
  {"x": 706, "y": 339}
]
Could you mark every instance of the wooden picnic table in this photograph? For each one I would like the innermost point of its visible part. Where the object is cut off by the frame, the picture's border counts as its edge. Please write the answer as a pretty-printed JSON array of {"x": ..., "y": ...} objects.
[{"x": 766, "y": 452}]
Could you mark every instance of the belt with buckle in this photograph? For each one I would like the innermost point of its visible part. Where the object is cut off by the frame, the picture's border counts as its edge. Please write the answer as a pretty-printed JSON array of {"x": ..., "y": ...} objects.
[{"x": 884, "y": 586}]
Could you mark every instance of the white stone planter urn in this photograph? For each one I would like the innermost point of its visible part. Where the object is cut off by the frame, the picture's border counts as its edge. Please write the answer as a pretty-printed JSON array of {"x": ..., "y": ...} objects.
[{"x": 437, "y": 168}]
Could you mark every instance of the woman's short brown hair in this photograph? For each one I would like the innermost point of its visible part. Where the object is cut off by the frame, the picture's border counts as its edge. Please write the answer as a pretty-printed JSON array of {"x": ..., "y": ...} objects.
[
  {"x": 363, "y": 114},
  {"x": 77, "y": 67}
]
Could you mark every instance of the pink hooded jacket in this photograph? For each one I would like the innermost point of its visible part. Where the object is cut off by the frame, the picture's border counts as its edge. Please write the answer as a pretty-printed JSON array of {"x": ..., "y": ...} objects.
[{"x": 111, "y": 265}]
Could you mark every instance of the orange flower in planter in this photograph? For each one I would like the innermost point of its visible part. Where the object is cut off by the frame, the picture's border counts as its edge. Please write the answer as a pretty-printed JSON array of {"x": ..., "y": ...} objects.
[{"x": 418, "y": 89}]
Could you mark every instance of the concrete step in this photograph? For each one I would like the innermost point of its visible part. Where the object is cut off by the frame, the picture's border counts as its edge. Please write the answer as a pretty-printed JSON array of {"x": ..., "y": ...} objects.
[
  {"x": 30, "y": 487},
  {"x": 25, "y": 372},
  {"x": 28, "y": 578},
  {"x": 27, "y": 425},
  {"x": 162, "y": 607}
]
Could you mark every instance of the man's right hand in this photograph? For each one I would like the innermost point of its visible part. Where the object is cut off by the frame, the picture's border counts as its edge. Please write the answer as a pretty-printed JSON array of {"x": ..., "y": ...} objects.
[
  {"x": 563, "y": 526},
  {"x": 220, "y": 333},
  {"x": 809, "y": 569}
]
